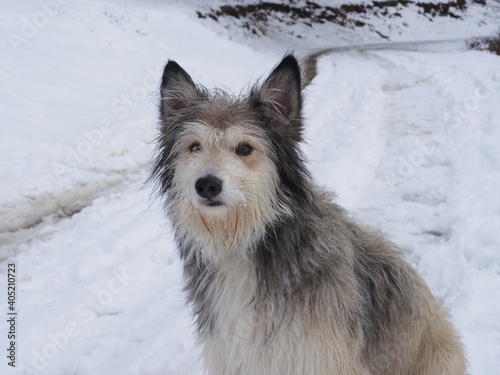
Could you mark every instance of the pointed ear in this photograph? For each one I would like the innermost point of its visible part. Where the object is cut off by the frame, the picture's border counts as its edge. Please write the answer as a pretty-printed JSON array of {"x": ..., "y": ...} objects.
[
  {"x": 282, "y": 89},
  {"x": 177, "y": 88}
]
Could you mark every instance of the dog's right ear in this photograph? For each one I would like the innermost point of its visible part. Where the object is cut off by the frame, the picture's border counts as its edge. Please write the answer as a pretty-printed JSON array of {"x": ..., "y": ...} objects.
[{"x": 178, "y": 90}]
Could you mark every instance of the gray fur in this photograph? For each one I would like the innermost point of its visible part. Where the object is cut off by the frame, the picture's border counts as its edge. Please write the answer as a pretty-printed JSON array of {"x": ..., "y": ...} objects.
[{"x": 304, "y": 289}]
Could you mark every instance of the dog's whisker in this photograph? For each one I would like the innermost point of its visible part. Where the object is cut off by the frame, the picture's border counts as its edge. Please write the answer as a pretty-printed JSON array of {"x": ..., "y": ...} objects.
[
  {"x": 206, "y": 224},
  {"x": 235, "y": 229}
]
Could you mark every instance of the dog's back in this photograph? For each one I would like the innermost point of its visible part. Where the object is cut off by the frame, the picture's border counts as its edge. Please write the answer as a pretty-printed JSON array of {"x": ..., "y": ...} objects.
[{"x": 281, "y": 280}]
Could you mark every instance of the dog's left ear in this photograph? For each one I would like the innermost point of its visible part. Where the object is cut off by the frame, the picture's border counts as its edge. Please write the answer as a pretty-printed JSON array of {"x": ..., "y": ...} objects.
[{"x": 281, "y": 91}]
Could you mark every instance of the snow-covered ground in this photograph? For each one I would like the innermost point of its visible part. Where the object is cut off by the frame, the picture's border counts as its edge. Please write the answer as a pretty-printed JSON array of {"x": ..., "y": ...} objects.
[{"x": 410, "y": 141}]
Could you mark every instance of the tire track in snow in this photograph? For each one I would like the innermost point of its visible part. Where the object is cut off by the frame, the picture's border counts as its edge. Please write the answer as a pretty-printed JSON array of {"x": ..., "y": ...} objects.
[
  {"x": 25, "y": 218},
  {"x": 310, "y": 59}
]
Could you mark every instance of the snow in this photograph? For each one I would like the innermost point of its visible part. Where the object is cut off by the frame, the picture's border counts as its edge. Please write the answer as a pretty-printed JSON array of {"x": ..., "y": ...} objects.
[{"x": 409, "y": 140}]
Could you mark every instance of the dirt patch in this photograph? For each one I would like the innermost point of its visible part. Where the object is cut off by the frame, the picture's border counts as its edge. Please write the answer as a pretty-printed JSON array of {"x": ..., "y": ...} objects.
[
  {"x": 256, "y": 16},
  {"x": 491, "y": 44}
]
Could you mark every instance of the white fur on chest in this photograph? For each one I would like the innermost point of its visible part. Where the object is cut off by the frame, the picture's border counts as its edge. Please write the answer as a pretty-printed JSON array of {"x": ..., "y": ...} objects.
[
  {"x": 235, "y": 336},
  {"x": 238, "y": 346}
]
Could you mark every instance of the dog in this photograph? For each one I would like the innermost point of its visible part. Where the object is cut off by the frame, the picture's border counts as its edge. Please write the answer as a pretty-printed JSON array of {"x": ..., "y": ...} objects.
[{"x": 281, "y": 279}]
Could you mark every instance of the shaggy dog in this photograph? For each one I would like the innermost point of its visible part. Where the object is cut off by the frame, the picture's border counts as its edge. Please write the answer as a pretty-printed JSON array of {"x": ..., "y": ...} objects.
[{"x": 281, "y": 280}]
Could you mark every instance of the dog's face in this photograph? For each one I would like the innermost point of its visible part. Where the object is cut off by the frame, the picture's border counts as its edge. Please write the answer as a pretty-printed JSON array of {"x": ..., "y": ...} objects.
[
  {"x": 222, "y": 160},
  {"x": 223, "y": 167}
]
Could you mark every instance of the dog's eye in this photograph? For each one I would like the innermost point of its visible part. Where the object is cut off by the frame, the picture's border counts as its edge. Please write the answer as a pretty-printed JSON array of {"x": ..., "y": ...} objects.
[
  {"x": 195, "y": 147},
  {"x": 244, "y": 149}
]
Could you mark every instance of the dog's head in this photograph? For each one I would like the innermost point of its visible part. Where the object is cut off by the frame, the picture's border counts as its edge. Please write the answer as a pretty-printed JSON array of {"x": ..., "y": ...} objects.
[{"x": 229, "y": 165}]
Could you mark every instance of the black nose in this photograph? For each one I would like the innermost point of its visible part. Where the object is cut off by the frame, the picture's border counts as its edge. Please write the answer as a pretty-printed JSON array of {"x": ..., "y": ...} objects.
[{"x": 208, "y": 187}]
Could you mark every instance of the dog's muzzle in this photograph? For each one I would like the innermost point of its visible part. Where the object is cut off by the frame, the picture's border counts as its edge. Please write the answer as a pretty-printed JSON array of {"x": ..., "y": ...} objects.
[{"x": 209, "y": 187}]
